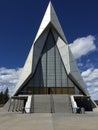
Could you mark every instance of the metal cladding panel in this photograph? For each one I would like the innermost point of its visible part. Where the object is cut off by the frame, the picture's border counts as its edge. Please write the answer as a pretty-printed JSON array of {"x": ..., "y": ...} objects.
[
  {"x": 55, "y": 35},
  {"x": 75, "y": 73},
  {"x": 38, "y": 47},
  {"x": 58, "y": 69},
  {"x": 44, "y": 23},
  {"x": 56, "y": 23},
  {"x": 27, "y": 70},
  {"x": 41, "y": 29},
  {"x": 64, "y": 76},
  {"x": 50, "y": 49},
  {"x": 63, "y": 50},
  {"x": 44, "y": 64}
]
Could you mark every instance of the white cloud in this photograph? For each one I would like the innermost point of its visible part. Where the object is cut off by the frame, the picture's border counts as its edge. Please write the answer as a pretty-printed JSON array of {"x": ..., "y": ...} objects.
[
  {"x": 9, "y": 78},
  {"x": 82, "y": 46},
  {"x": 90, "y": 77},
  {"x": 80, "y": 64}
]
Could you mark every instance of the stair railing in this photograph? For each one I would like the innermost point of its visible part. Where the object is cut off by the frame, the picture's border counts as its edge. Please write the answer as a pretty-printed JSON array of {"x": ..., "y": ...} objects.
[{"x": 52, "y": 103}]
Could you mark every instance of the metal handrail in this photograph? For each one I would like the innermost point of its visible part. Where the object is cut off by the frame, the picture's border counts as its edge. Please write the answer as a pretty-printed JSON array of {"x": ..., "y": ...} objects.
[
  {"x": 32, "y": 105},
  {"x": 52, "y": 104},
  {"x": 10, "y": 104}
]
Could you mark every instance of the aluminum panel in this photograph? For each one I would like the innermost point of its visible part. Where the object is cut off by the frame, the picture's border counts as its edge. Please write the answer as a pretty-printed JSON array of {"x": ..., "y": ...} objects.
[{"x": 38, "y": 47}]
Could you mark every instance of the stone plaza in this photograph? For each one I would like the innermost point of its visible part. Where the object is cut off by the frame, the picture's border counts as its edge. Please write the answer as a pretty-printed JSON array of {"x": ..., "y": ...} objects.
[{"x": 48, "y": 121}]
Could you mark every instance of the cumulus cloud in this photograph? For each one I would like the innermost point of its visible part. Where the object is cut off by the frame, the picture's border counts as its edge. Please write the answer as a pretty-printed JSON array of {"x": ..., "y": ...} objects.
[
  {"x": 82, "y": 46},
  {"x": 90, "y": 77},
  {"x": 9, "y": 78},
  {"x": 80, "y": 64}
]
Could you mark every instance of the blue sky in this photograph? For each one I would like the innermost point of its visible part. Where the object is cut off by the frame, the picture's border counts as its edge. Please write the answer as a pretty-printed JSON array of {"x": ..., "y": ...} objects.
[{"x": 19, "y": 22}]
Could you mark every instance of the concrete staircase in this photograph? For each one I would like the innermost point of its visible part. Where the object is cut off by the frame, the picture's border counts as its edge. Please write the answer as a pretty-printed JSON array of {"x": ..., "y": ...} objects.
[
  {"x": 51, "y": 104},
  {"x": 62, "y": 104},
  {"x": 42, "y": 104},
  {"x": 14, "y": 105}
]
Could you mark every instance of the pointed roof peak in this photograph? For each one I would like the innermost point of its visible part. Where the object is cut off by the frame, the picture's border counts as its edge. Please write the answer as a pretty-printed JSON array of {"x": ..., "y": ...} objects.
[
  {"x": 50, "y": 9},
  {"x": 50, "y": 3},
  {"x": 50, "y": 17}
]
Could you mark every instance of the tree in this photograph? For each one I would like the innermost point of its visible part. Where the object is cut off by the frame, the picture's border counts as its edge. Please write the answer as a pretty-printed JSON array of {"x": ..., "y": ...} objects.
[
  {"x": 1, "y": 98},
  {"x": 6, "y": 95}
]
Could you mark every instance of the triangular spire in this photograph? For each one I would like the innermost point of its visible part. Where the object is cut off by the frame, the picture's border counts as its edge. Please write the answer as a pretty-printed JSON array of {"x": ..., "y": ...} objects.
[
  {"x": 37, "y": 49},
  {"x": 50, "y": 17}
]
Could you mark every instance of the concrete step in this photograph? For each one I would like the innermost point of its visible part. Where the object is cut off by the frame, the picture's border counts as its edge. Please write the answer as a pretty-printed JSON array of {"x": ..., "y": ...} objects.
[
  {"x": 51, "y": 104},
  {"x": 14, "y": 105},
  {"x": 42, "y": 104},
  {"x": 62, "y": 104}
]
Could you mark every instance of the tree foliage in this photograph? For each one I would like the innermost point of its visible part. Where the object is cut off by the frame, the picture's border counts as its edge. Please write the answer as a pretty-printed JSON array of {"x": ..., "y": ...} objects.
[{"x": 4, "y": 96}]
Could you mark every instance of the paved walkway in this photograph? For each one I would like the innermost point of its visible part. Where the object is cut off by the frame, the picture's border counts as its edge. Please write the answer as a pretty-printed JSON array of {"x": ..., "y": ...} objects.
[{"x": 47, "y": 121}]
